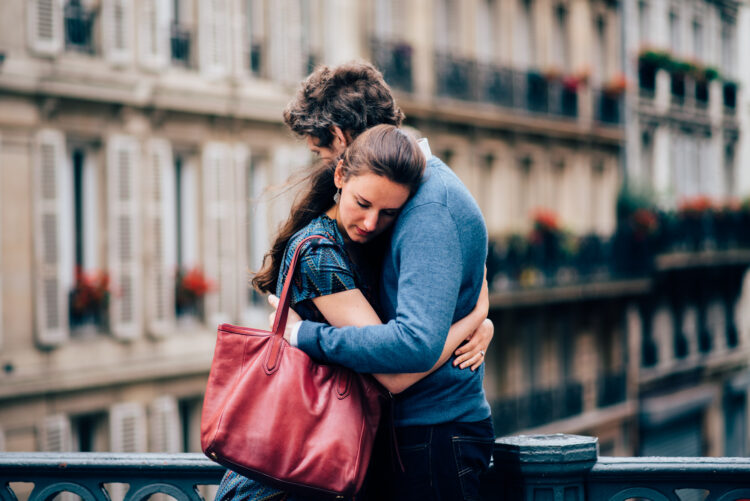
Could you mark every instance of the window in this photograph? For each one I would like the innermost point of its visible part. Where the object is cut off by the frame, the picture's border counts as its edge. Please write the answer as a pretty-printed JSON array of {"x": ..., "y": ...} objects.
[
  {"x": 154, "y": 33},
  {"x": 45, "y": 26},
  {"x": 117, "y": 26},
  {"x": 190, "y": 423},
  {"x": 188, "y": 302},
  {"x": 255, "y": 40},
  {"x": 89, "y": 294},
  {"x": 289, "y": 57},
  {"x": 599, "y": 71},
  {"x": 181, "y": 33},
  {"x": 79, "y": 27},
  {"x": 89, "y": 432},
  {"x": 447, "y": 24},
  {"x": 214, "y": 40},
  {"x": 526, "y": 189},
  {"x": 647, "y": 155},
  {"x": 164, "y": 425},
  {"x": 127, "y": 427}
]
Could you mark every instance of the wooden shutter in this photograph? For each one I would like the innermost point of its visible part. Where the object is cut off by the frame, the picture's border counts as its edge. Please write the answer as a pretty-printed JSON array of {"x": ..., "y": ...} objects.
[
  {"x": 219, "y": 232},
  {"x": 45, "y": 26},
  {"x": 117, "y": 26},
  {"x": 153, "y": 39},
  {"x": 286, "y": 41},
  {"x": 124, "y": 263},
  {"x": 214, "y": 37},
  {"x": 51, "y": 306},
  {"x": 241, "y": 159},
  {"x": 164, "y": 421},
  {"x": 55, "y": 434},
  {"x": 127, "y": 427},
  {"x": 160, "y": 244}
]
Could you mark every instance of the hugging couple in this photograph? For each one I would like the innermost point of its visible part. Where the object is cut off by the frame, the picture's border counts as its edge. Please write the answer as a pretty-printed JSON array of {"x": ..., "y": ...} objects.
[{"x": 395, "y": 288}]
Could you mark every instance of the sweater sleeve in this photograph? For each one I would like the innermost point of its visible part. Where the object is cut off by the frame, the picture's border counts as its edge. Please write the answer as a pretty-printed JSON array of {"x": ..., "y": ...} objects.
[{"x": 428, "y": 261}]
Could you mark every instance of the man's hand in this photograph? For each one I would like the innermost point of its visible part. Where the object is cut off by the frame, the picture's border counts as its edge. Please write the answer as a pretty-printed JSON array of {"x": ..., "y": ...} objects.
[
  {"x": 291, "y": 319},
  {"x": 472, "y": 352}
]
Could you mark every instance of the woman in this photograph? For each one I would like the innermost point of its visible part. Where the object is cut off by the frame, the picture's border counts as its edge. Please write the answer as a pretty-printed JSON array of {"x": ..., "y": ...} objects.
[{"x": 351, "y": 204}]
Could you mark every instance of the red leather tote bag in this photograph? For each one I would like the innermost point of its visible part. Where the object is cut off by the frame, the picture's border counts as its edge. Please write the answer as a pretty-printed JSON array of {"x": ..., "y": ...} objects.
[{"x": 271, "y": 413}]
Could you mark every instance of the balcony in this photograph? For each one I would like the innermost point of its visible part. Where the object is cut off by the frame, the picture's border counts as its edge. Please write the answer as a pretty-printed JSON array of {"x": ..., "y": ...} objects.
[
  {"x": 79, "y": 28},
  {"x": 525, "y": 467},
  {"x": 529, "y": 91},
  {"x": 394, "y": 59}
]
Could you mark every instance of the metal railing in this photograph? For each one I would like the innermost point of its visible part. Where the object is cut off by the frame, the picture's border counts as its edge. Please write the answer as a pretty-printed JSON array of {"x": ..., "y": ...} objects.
[
  {"x": 524, "y": 467},
  {"x": 180, "y": 40},
  {"x": 394, "y": 59},
  {"x": 79, "y": 27},
  {"x": 86, "y": 473},
  {"x": 529, "y": 91}
]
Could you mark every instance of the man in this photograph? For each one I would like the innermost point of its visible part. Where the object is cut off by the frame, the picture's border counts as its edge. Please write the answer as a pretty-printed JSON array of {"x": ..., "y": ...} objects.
[{"x": 432, "y": 275}]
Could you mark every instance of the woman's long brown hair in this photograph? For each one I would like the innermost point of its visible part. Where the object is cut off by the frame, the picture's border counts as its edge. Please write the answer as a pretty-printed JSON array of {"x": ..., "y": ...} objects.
[{"x": 384, "y": 150}]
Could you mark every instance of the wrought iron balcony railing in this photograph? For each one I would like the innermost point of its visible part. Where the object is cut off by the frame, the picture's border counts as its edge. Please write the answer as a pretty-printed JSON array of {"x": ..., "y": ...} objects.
[
  {"x": 524, "y": 467},
  {"x": 529, "y": 91},
  {"x": 394, "y": 59}
]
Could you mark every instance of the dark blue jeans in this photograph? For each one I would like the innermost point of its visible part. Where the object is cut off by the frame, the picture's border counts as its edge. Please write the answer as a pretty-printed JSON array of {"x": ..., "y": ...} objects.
[{"x": 443, "y": 462}]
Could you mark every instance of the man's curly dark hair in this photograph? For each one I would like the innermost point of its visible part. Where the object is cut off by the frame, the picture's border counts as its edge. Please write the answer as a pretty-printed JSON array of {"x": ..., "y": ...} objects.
[{"x": 352, "y": 96}]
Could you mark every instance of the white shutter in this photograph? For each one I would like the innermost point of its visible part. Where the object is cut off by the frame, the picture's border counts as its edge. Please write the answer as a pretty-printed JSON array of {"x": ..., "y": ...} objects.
[
  {"x": 45, "y": 25},
  {"x": 55, "y": 434},
  {"x": 1, "y": 269},
  {"x": 219, "y": 232},
  {"x": 124, "y": 263},
  {"x": 241, "y": 155},
  {"x": 153, "y": 39},
  {"x": 117, "y": 30},
  {"x": 240, "y": 49},
  {"x": 214, "y": 37},
  {"x": 160, "y": 244},
  {"x": 127, "y": 427},
  {"x": 164, "y": 433},
  {"x": 51, "y": 306},
  {"x": 286, "y": 41},
  {"x": 2, "y": 440}
]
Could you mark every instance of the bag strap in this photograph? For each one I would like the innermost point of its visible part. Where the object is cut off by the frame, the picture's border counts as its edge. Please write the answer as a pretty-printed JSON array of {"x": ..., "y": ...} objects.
[{"x": 282, "y": 312}]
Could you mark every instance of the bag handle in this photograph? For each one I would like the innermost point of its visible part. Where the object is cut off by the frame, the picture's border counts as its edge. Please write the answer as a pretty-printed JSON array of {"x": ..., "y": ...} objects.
[{"x": 279, "y": 323}]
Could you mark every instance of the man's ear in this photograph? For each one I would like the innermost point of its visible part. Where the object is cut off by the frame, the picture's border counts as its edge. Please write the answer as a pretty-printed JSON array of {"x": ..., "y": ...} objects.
[
  {"x": 340, "y": 135},
  {"x": 338, "y": 174}
]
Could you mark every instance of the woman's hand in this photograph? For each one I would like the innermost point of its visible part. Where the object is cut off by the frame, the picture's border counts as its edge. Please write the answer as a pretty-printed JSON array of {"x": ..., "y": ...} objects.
[
  {"x": 291, "y": 319},
  {"x": 472, "y": 352}
]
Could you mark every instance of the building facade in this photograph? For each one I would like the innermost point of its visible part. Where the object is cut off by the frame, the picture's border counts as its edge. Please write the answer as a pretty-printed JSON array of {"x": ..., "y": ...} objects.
[{"x": 138, "y": 142}]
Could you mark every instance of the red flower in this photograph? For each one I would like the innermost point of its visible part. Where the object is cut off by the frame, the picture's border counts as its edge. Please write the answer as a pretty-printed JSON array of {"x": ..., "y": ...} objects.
[
  {"x": 91, "y": 291},
  {"x": 546, "y": 220},
  {"x": 696, "y": 205},
  {"x": 196, "y": 283}
]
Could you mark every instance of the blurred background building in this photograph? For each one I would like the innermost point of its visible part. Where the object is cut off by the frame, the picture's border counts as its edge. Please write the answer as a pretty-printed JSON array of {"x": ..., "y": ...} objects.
[{"x": 603, "y": 139}]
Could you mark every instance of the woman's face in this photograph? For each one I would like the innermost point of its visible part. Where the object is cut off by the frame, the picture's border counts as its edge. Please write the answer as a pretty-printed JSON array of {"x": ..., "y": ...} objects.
[{"x": 369, "y": 204}]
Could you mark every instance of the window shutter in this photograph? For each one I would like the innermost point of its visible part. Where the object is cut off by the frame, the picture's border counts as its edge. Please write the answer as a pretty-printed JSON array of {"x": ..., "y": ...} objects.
[
  {"x": 214, "y": 37},
  {"x": 117, "y": 26},
  {"x": 286, "y": 42},
  {"x": 165, "y": 430},
  {"x": 153, "y": 40},
  {"x": 241, "y": 155},
  {"x": 160, "y": 244},
  {"x": 55, "y": 434},
  {"x": 219, "y": 232},
  {"x": 124, "y": 314},
  {"x": 127, "y": 427},
  {"x": 240, "y": 48},
  {"x": 51, "y": 294},
  {"x": 2, "y": 440},
  {"x": 45, "y": 26}
]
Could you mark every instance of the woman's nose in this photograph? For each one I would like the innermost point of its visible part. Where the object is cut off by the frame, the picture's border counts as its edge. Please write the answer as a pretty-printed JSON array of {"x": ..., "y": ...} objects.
[{"x": 371, "y": 221}]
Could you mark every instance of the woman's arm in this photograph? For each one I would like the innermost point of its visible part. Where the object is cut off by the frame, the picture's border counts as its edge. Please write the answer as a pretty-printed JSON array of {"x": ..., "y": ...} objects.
[{"x": 350, "y": 308}]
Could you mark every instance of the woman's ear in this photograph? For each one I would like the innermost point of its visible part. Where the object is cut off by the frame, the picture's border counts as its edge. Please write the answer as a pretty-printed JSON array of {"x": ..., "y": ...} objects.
[
  {"x": 338, "y": 174},
  {"x": 340, "y": 136}
]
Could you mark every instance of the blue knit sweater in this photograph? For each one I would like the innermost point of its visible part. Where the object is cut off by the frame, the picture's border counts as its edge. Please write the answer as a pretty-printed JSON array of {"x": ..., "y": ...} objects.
[{"x": 432, "y": 275}]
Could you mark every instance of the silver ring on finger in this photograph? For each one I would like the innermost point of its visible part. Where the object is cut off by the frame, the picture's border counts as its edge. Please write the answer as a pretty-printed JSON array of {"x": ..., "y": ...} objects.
[{"x": 481, "y": 352}]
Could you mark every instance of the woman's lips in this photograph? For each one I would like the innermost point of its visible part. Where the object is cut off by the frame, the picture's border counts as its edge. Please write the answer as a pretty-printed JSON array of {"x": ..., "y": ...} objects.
[{"x": 362, "y": 233}]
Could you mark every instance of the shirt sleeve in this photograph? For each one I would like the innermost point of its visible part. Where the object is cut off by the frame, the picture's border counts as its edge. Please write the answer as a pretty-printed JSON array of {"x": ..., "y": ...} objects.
[
  {"x": 323, "y": 269},
  {"x": 429, "y": 266}
]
